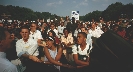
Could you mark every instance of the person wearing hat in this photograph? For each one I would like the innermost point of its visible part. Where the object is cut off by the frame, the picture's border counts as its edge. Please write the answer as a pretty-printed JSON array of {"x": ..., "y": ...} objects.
[{"x": 53, "y": 54}]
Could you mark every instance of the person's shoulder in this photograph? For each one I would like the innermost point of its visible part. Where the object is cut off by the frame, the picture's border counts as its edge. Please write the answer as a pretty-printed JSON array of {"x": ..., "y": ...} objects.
[
  {"x": 38, "y": 31},
  {"x": 8, "y": 66},
  {"x": 18, "y": 41},
  {"x": 75, "y": 46}
]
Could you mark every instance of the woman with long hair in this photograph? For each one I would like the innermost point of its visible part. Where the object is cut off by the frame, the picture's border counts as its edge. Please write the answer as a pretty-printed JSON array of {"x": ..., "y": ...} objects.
[{"x": 53, "y": 54}]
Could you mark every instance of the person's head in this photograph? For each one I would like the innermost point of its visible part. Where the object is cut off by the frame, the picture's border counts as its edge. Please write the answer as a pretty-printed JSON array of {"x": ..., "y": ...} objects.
[
  {"x": 51, "y": 33},
  {"x": 13, "y": 35},
  {"x": 93, "y": 25},
  {"x": 9, "y": 27},
  {"x": 81, "y": 38},
  {"x": 66, "y": 31},
  {"x": 44, "y": 24},
  {"x": 115, "y": 28},
  {"x": 89, "y": 26},
  {"x": 1, "y": 24},
  {"x": 62, "y": 23},
  {"x": 5, "y": 40},
  {"x": 33, "y": 26},
  {"x": 105, "y": 29},
  {"x": 25, "y": 33},
  {"x": 52, "y": 26},
  {"x": 84, "y": 29},
  {"x": 50, "y": 41}
]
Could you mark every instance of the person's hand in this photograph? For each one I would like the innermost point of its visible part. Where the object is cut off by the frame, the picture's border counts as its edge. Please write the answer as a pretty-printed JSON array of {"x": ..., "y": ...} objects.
[
  {"x": 68, "y": 66},
  {"x": 43, "y": 45},
  {"x": 34, "y": 58}
]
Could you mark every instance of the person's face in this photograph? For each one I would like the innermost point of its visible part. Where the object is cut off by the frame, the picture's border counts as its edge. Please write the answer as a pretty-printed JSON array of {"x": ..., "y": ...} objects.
[
  {"x": 66, "y": 33},
  {"x": 9, "y": 27},
  {"x": 1, "y": 25},
  {"x": 7, "y": 42},
  {"x": 13, "y": 36},
  {"x": 93, "y": 25},
  {"x": 83, "y": 30},
  {"x": 50, "y": 34},
  {"x": 52, "y": 27},
  {"x": 88, "y": 27},
  {"x": 33, "y": 27},
  {"x": 25, "y": 34},
  {"x": 116, "y": 28},
  {"x": 44, "y": 25},
  {"x": 49, "y": 43},
  {"x": 62, "y": 24},
  {"x": 80, "y": 39}
]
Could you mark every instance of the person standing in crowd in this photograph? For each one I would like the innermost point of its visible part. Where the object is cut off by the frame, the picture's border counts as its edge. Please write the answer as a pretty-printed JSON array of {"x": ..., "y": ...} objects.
[
  {"x": 9, "y": 28},
  {"x": 26, "y": 48},
  {"x": 79, "y": 25},
  {"x": 96, "y": 32},
  {"x": 60, "y": 28},
  {"x": 88, "y": 40},
  {"x": 5, "y": 44},
  {"x": 35, "y": 34},
  {"x": 115, "y": 28},
  {"x": 52, "y": 27},
  {"x": 81, "y": 52},
  {"x": 67, "y": 41}
]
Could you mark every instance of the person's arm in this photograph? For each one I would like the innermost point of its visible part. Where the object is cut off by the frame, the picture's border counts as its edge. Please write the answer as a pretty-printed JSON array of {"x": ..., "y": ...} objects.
[
  {"x": 75, "y": 57},
  {"x": 19, "y": 49},
  {"x": 47, "y": 54},
  {"x": 33, "y": 58},
  {"x": 79, "y": 62},
  {"x": 39, "y": 38},
  {"x": 60, "y": 51}
]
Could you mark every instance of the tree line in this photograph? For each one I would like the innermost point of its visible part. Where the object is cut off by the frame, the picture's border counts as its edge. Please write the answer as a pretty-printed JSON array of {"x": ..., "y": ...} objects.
[{"x": 112, "y": 12}]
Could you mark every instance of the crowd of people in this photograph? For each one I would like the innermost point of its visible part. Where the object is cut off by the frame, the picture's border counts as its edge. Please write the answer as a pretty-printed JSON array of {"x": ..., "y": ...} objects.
[{"x": 55, "y": 46}]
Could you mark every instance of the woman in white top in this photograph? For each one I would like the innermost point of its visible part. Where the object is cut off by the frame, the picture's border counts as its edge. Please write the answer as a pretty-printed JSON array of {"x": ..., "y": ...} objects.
[{"x": 52, "y": 54}]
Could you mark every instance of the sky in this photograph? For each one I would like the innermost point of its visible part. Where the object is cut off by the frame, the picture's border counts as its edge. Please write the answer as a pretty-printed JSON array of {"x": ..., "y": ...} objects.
[{"x": 64, "y": 7}]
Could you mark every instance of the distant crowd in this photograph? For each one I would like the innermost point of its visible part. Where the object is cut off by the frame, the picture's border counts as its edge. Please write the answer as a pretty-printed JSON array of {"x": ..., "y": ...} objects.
[{"x": 64, "y": 44}]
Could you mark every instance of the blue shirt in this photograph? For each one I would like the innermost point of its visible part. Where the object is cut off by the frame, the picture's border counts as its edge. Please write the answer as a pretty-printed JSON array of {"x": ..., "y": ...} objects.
[{"x": 5, "y": 64}]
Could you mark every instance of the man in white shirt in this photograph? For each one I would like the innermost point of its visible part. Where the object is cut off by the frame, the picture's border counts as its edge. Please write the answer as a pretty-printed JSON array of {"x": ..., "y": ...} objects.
[
  {"x": 5, "y": 43},
  {"x": 60, "y": 29},
  {"x": 26, "y": 48},
  {"x": 35, "y": 34}
]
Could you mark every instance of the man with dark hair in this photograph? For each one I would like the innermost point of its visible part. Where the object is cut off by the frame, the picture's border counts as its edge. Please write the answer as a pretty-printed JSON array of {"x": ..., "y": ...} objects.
[
  {"x": 5, "y": 43},
  {"x": 81, "y": 52}
]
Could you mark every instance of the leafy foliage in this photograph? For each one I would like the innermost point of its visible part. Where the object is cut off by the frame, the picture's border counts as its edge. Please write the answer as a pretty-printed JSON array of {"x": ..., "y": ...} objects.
[{"x": 113, "y": 12}]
